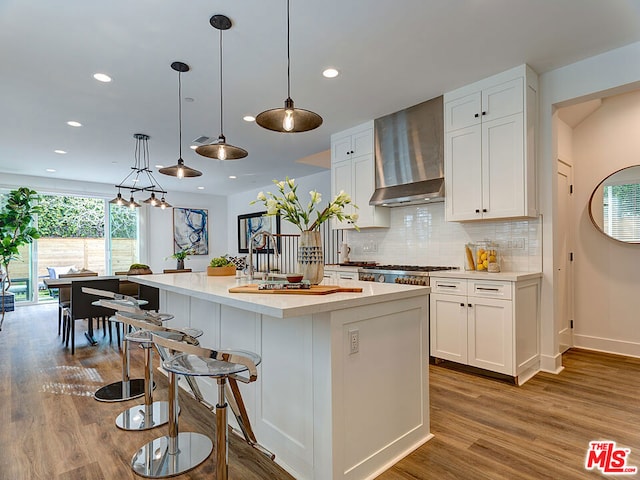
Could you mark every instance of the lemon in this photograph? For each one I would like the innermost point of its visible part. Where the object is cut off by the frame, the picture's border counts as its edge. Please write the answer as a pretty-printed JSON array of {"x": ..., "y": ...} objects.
[
  {"x": 483, "y": 256},
  {"x": 492, "y": 258},
  {"x": 485, "y": 264}
]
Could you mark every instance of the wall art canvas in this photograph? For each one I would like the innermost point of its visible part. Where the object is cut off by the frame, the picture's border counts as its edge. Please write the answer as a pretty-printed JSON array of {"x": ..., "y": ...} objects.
[
  {"x": 191, "y": 230},
  {"x": 251, "y": 223}
]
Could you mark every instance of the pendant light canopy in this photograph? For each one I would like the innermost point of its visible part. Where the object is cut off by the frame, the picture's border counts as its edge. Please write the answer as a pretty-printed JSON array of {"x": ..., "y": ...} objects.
[
  {"x": 289, "y": 119},
  {"x": 180, "y": 170},
  {"x": 140, "y": 179},
  {"x": 221, "y": 149}
]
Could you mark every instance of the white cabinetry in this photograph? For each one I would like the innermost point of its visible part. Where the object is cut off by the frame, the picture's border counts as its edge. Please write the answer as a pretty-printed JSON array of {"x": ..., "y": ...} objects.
[
  {"x": 489, "y": 150},
  {"x": 352, "y": 170},
  {"x": 335, "y": 274},
  {"x": 487, "y": 324}
]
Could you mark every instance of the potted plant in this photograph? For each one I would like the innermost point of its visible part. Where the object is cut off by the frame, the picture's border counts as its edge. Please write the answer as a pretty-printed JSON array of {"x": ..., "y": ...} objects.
[
  {"x": 16, "y": 229},
  {"x": 181, "y": 256},
  {"x": 221, "y": 266},
  {"x": 139, "y": 269}
]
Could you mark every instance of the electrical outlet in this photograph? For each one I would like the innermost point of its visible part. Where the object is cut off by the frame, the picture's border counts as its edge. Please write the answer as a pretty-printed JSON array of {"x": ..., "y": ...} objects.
[{"x": 354, "y": 341}]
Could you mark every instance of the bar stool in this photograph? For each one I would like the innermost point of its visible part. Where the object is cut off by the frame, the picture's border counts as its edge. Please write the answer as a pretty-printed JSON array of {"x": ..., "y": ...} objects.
[
  {"x": 179, "y": 452},
  {"x": 127, "y": 388},
  {"x": 152, "y": 413}
]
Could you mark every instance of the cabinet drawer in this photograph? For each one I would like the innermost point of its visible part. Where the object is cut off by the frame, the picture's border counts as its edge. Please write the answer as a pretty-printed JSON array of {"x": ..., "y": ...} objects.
[
  {"x": 490, "y": 289},
  {"x": 452, "y": 286}
]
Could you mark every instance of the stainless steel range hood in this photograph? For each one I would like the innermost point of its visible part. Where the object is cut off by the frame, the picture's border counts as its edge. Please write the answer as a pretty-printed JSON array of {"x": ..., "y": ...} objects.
[{"x": 410, "y": 156}]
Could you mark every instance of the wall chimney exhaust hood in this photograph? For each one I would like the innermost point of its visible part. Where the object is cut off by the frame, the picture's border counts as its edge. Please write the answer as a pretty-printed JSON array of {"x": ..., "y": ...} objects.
[{"x": 409, "y": 150}]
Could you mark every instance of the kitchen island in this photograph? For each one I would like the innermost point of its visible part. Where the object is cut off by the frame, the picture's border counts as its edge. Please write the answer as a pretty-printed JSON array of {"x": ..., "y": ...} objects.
[{"x": 342, "y": 391}]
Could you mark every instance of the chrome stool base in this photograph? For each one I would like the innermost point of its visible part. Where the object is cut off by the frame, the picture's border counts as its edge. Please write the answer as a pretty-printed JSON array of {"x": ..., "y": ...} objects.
[
  {"x": 134, "y": 418},
  {"x": 114, "y": 392},
  {"x": 153, "y": 460}
]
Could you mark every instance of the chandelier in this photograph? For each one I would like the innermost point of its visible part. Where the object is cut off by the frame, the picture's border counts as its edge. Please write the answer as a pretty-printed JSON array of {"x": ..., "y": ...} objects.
[{"x": 141, "y": 179}]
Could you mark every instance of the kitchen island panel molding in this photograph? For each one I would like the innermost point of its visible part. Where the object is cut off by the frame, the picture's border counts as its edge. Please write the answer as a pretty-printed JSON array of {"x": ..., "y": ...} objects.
[{"x": 325, "y": 412}]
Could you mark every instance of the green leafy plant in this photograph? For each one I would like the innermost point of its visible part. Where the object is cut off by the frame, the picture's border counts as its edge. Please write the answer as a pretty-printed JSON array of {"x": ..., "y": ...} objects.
[
  {"x": 139, "y": 266},
  {"x": 16, "y": 225},
  {"x": 182, "y": 254},
  {"x": 220, "y": 262},
  {"x": 288, "y": 205}
]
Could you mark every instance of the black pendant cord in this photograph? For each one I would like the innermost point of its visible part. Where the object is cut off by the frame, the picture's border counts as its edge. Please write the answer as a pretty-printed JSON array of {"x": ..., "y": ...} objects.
[
  {"x": 180, "y": 114},
  {"x": 288, "y": 56},
  {"x": 221, "y": 116}
]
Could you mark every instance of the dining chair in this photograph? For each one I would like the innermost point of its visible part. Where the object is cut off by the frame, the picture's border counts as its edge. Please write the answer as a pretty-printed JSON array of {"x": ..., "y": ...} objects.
[
  {"x": 81, "y": 307},
  {"x": 64, "y": 293}
]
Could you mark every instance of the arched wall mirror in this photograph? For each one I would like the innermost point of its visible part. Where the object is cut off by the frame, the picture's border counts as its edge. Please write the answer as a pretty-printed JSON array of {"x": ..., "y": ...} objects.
[{"x": 614, "y": 206}]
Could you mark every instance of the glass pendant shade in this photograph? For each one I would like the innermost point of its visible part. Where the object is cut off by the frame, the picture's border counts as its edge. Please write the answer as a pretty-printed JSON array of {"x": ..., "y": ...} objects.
[
  {"x": 221, "y": 150},
  {"x": 180, "y": 170},
  {"x": 118, "y": 200},
  {"x": 289, "y": 119},
  {"x": 132, "y": 203}
]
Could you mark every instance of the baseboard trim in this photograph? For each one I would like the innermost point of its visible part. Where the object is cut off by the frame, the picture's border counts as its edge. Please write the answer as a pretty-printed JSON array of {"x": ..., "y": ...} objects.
[
  {"x": 551, "y": 364},
  {"x": 607, "y": 345}
]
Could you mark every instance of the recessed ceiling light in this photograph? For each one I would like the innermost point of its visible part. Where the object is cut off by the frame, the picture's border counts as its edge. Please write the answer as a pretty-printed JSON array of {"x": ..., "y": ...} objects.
[
  {"x": 232, "y": 177},
  {"x": 51, "y": 170},
  {"x": 188, "y": 99},
  {"x": 73, "y": 123},
  {"x": 249, "y": 118},
  {"x": 102, "y": 77},
  {"x": 200, "y": 188},
  {"x": 193, "y": 147},
  {"x": 159, "y": 166},
  {"x": 330, "y": 73},
  {"x": 61, "y": 152}
]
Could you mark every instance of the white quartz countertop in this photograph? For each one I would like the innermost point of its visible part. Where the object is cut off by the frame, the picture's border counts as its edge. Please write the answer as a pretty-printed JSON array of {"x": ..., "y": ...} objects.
[
  {"x": 474, "y": 275},
  {"x": 216, "y": 289}
]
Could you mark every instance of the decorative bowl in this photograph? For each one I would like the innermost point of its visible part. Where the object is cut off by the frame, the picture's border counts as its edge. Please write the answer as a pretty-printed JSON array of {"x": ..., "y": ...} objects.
[
  {"x": 221, "y": 271},
  {"x": 294, "y": 277}
]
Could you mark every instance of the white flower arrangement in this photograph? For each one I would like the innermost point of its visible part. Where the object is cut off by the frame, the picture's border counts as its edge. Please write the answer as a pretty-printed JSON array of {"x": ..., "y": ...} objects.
[{"x": 288, "y": 205}]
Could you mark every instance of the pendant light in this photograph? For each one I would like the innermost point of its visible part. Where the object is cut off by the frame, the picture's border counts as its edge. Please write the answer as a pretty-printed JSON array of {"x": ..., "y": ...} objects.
[
  {"x": 140, "y": 178},
  {"x": 289, "y": 119},
  {"x": 180, "y": 170},
  {"x": 221, "y": 149}
]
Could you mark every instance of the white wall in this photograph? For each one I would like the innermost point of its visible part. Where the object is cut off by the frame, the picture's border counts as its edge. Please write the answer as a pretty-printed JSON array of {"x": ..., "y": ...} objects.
[
  {"x": 606, "y": 141},
  {"x": 157, "y": 223},
  {"x": 617, "y": 70}
]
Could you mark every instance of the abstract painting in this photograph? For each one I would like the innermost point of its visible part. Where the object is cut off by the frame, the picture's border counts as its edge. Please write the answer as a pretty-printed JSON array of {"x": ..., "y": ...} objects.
[
  {"x": 190, "y": 230},
  {"x": 251, "y": 223}
]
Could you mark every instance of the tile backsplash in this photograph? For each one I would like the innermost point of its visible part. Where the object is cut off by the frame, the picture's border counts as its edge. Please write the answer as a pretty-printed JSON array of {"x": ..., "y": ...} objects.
[{"x": 419, "y": 235}]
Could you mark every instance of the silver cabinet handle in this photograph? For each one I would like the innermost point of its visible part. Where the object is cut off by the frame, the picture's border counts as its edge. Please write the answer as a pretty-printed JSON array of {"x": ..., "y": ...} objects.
[
  {"x": 488, "y": 289},
  {"x": 441, "y": 285}
]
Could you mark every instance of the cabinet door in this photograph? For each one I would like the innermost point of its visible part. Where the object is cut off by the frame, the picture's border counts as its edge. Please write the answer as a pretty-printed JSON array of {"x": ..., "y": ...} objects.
[
  {"x": 364, "y": 184},
  {"x": 490, "y": 335},
  {"x": 503, "y": 174},
  {"x": 362, "y": 143},
  {"x": 341, "y": 148},
  {"x": 462, "y": 112},
  {"x": 341, "y": 179},
  {"x": 502, "y": 100},
  {"x": 448, "y": 327},
  {"x": 463, "y": 174}
]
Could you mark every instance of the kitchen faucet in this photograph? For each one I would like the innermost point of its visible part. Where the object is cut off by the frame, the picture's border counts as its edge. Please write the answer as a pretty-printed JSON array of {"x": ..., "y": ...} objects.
[{"x": 268, "y": 235}]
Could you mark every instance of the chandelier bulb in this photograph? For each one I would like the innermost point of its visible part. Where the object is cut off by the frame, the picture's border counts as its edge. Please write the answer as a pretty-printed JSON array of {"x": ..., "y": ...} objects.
[{"x": 180, "y": 172}]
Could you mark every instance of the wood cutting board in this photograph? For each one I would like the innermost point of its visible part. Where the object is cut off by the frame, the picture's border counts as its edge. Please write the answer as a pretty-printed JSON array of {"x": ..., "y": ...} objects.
[{"x": 314, "y": 290}]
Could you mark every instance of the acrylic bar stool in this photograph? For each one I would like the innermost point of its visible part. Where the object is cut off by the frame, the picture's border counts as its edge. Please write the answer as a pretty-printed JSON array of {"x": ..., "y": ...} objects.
[
  {"x": 127, "y": 388},
  {"x": 179, "y": 452},
  {"x": 152, "y": 413}
]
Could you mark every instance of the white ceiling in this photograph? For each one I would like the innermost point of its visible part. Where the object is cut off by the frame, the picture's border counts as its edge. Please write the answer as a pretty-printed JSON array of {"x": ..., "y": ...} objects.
[{"x": 391, "y": 54}]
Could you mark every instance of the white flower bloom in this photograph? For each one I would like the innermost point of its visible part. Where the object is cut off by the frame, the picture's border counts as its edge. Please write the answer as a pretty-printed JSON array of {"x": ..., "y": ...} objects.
[
  {"x": 354, "y": 217},
  {"x": 291, "y": 196},
  {"x": 262, "y": 196},
  {"x": 316, "y": 197},
  {"x": 290, "y": 181},
  {"x": 280, "y": 184}
]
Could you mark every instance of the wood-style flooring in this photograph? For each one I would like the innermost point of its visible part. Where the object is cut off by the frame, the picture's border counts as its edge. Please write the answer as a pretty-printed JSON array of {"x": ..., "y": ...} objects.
[{"x": 51, "y": 427}]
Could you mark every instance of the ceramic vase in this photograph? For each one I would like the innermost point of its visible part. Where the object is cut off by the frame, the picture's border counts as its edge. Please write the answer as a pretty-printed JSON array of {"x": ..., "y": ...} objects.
[
  {"x": 310, "y": 256},
  {"x": 180, "y": 264}
]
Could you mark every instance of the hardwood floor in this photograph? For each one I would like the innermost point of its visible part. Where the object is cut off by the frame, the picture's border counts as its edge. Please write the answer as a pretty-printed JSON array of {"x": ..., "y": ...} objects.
[{"x": 50, "y": 427}]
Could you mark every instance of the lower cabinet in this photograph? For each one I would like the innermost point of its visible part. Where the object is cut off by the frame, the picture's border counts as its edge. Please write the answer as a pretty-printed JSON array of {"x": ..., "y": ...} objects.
[
  {"x": 333, "y": 275},
  {"x": 493, "y": 325}
]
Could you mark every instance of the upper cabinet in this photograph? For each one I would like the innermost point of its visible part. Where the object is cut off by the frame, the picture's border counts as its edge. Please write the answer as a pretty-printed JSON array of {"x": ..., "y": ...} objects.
[
  {"x": 352, "y": 170},
  {"x": 489, "y": 149}
]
